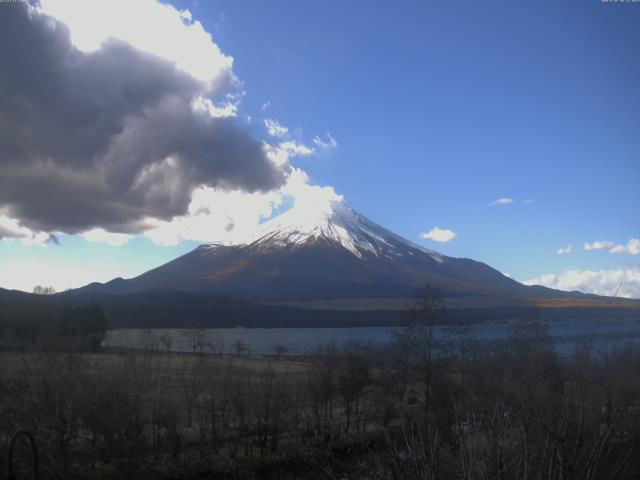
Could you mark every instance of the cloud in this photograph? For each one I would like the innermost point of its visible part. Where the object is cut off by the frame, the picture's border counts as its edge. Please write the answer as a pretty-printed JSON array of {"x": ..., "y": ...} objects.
[
  {"x": 147, "y": 25},
  {"x": 11, "y": 229},
  {"x": 100, "y": 235},
  {"x": 439, "y": 235},
  {"x": 281, "y": 153},
  {"x": 565, "y": 250},
  {"x": 599, "y": 245},
  {"x": 53, "y": 238},
  {"x": 274, "y": 128},
  {"x": 632, "y": 247},
  {"x": 294, "y": 149},
  {"x": 62, "y": 274},
  {"x": 329, "y": 143},
  {"x": 501, "y": 201},
  {"x": 113, "y": 136},
  {"x": 216, "y": 216},
  {"x": 529, "y": 201},
  {"x": 601, "y": 282},
  {"x": 234, "y": 217},
  {"x": 228, "y": 109}
]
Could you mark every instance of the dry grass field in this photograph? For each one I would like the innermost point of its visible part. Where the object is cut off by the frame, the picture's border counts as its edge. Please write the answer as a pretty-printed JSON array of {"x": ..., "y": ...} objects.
[{"x": 511, "y": 412}]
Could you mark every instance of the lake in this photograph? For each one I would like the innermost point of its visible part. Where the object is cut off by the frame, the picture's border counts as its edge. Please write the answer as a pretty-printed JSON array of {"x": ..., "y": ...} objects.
[{"x": 603, "y": 335}]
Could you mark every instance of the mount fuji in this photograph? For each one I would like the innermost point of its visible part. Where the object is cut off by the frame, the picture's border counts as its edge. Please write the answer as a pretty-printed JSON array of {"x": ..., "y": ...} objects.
[
  {"x": 330, "y": 253},
  {"x": 331, "y": 258}
]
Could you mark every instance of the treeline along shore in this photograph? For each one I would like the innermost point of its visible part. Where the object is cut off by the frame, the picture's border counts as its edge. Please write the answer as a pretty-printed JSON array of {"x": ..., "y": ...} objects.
[{"x": 174, "y": 309}]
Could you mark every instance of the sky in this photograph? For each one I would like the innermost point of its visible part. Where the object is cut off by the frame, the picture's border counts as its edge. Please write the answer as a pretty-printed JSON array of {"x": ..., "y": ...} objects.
[{"x": 506, "y": 132}]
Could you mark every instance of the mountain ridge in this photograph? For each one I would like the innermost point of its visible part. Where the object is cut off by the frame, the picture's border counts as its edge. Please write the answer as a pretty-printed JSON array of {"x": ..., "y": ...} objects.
[{"x": 311, "y": 257}]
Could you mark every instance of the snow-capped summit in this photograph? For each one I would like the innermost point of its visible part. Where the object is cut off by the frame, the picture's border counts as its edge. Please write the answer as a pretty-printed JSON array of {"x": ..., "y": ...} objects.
[{"x": 335, "y": 223}]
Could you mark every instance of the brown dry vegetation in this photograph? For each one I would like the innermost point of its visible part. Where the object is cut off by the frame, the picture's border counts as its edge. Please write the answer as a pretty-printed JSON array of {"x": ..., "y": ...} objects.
[{"x": 516, "y": 412}]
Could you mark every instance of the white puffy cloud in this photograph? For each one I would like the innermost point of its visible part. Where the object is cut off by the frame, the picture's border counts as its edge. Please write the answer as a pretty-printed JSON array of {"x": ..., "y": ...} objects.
[
  {"x": 565, "y": 250},
  {"x": 216, "y": 216},
  {"x": 274, "y": 128},
  {"x": 330, "y": 142},
  {"x": 294, "y": 149},
  {"x": 226, "y": 110},
  {"x": 11, "y": 229},
  {"x": 600, "y": 282},
  {"x": 148, "y": 25},
  {"x": 632, "y": 247},
  {"x": 101, "y": 235},
  {"x": 439, "y": 235},
  {"x": 501, "y": 201},
  {"x": 599, "y": 245},
  {"x": 281, "y": 153},
  {"x": 233, "y": 217},
  {"x": 309, "y": 200}
]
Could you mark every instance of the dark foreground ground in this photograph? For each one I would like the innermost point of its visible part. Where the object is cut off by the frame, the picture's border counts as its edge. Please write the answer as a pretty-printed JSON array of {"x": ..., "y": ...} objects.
[{"x": 516, "y": 412}]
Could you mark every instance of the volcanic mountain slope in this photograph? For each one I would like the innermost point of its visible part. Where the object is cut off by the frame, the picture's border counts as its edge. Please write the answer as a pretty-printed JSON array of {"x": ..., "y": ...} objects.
[{"x": 333, "y": 258}]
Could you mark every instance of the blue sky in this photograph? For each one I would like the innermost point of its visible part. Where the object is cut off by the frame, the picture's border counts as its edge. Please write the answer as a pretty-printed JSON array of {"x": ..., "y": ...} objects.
[{"x": 438, "y": 109}]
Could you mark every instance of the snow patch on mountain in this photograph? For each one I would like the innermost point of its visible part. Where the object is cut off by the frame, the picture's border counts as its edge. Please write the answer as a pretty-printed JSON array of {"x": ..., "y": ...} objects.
[{"x": 335, "y": 223}]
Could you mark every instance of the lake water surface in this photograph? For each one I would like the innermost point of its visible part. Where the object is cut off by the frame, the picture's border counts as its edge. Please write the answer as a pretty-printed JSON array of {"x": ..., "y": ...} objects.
[{"x": 603, "y": 335}]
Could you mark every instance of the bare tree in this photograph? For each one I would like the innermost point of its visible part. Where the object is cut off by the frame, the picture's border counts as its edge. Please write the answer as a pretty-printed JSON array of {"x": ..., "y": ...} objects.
[
  {"x": 279, "y": 349},
  {"x": 197, "y": 339},
  {"x": 40, "y": 290},
  {"x": 416, "y": 341},
  {"x": 166, "y": 341},
  {"x": 352, "y": 383},
  {"x": 217, "y": 343},
  {"x": 190, "y": 381},
  {"x": 240, "y": 347}
]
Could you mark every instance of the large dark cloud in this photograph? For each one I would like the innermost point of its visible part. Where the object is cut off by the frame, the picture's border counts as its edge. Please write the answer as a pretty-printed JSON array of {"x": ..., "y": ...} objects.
[{"x": 107, "y": 138}]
